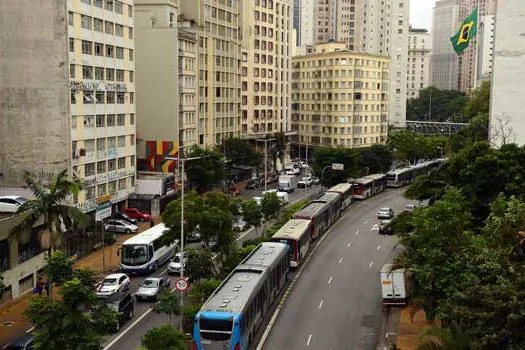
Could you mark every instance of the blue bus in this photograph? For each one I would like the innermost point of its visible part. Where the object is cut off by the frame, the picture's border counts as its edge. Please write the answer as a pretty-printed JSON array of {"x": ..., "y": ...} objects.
[{"x": 233, "y": 314}]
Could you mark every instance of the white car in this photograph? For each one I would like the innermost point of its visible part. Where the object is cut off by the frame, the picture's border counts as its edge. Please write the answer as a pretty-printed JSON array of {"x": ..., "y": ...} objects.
[
  {"x": 176, "y": 263},
  {"x": 120, "y": 226},
  {"x": 306, "y": 181},
  {"x": 410, "y": 207},
  {"x": 117, "y": 282},
  {"x": 385, "y": 213},
  {"x": 10, "y": 204}
]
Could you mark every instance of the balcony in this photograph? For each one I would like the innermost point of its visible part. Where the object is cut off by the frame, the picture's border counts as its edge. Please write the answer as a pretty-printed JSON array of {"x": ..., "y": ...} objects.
[
  {"x": 102, "y": 177},
  {"x": 88, "y": 205},
  {"x": 112, "y": 175},
  {"x": 112, "y": 153},
  {"x": 90, "y": 180},
  {"x": 131, "y": 171},
  {"x": 122, "y": 173},
  {"x": 122, "y": 195}
]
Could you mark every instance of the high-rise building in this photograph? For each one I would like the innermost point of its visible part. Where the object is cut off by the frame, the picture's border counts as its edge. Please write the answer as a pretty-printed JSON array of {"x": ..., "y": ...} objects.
[
  {"x": 507, "y": 124},
  {"x": 485, "y": 48},
  {"x": 67, "y": 95},
  {"x": 444, "y": 62},
  {"x": 266, "y": 66},
  {"x": 157, "y": 65},
  {"x": 385, "y": 32},
  {"x": 418, "y": 64},
  {"x": 303, "y": 21},
  {"x": 469, "y": 67},
  {"x": 340, "y": 98},
  {"x": 219, "y": 67}
]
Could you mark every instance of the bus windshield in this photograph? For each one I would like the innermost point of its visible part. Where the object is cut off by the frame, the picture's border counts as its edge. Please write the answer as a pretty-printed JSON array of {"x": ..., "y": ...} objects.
[
  {"x": 134, "y": 255},
  {"x": 216, "y": 329}
]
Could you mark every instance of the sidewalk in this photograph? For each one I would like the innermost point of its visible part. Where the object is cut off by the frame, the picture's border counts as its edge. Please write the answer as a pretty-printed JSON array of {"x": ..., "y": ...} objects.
[
  {"x": 411, "y": 328},
  {"x": 13, "y": 323}
]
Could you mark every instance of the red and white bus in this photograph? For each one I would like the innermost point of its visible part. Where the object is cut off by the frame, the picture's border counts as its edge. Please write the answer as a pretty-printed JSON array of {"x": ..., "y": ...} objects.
[
  {"x": 368, "y": 186},
  {"x": 319, "y": 214},
  {"x": 345, "y": 190},
  {"x": 297, "y": 234}
]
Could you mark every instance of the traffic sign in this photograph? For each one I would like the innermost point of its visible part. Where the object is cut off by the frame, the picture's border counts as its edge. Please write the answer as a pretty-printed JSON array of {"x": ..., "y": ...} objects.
[
  {"x": 338, "y": 166},
  {"x": 181, "y": 285}
]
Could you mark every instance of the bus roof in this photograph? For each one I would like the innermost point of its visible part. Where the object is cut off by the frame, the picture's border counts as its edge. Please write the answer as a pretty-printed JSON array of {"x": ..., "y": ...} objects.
[
  {"x": 236, "y": 290},
  {"x": 374, "y": 176},
  {"x": 328, "y": 197},
  {"x": 310, "y": 210},
  {"x": 399, "y": 171},
  {"x": 293, "y": 229},
  {"x": 148, "y": 236},
  {"x": 341, "y": 188}
]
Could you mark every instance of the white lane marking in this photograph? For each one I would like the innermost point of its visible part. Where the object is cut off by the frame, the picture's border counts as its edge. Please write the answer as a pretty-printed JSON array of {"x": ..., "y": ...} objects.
[
  {"x": 378, "y": 247},
  {"x": 330, "y": 280},
  {"x": 375, "y": 228},
  {"x": 114, "y": 341},
  {"x": 341, "y": 260},
  {"x": 309, "y": 339},
  {"x": 371, "y": 263},
  {"x": 349, "y": 244},
  {"x": 366, "y": 222},
  {"x": 357, "y": 232},
  {"x": 321, "y": 304}
]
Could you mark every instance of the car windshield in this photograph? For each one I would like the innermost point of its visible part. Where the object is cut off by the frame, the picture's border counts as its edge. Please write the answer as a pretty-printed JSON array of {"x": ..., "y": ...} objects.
[
  {"x": 150, "y": 283},
  {"x": 176, "y": 258},
  {"x": 385, "y": 209},
  {"x": 110, "y": 282},
  {"x": 133, "y": 255},
  {"x": 22, "y": 200}
]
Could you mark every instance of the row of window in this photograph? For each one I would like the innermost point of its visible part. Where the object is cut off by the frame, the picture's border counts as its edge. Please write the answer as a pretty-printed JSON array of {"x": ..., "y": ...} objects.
[
  {"x": 101, "y": 97},
  {"x": 100, "y": 145},
  {"x": 339, "y": 108},
  {"x": 102, "y": 120},
  {"x": 101, "y": 73},
  {"x": 342, "y": 61},
  {"x": 99, "y": 49},
  {"x": 109, "y": 188},
  {"x": 104, "y": 166},
  {"x": 110, "y": 5},
  {"x": 99, "y": 25},
  {"x": 358, "y": 130},
  {"x": 339, "y": 119}
]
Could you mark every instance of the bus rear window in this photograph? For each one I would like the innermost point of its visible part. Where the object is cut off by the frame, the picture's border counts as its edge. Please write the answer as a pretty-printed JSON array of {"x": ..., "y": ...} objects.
[{"x": 213, "y": 329}]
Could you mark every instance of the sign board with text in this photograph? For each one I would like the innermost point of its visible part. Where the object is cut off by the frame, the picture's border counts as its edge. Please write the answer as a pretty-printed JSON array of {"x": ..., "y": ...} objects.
[{"x": 338, "y": 166}]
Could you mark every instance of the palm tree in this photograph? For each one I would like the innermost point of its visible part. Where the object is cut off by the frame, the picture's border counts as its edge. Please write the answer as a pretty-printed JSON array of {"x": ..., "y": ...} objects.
[
  {"x": 50, "y": 209},
  {"x": 436, "y": 338}
]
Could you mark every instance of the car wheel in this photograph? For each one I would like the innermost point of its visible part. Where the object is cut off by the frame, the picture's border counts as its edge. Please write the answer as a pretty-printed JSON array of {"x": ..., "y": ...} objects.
[
  {"x": 141, "y": 219},
  {"x": 128, "y": 231},
  {"x": 117, "y": 327},
  {"x": 130, "y": 315}
]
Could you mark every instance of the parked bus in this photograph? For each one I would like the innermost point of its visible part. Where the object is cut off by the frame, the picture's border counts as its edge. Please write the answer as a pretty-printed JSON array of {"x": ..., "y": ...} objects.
[
  {"x": 345, "y": 190},
  {"x": 297, "y": 234},
  {"x": 145, "y": 252},
  {"x": 319, "y": 214},
  {"x": 335, "y": 205},
  {"x": 369, "y": 185},
  {"x": 400, "y": 177},
  {"x": 234, "y": 313}
]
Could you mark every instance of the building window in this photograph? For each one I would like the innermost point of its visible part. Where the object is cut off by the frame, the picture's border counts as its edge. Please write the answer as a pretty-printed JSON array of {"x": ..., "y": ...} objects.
[
  {"x": 119, "y": 30},
  {"x": 101, "y": 167},
  {"x": 99, "y": 97},
  {"x": 101, "y": 120},
  {"x": 73, "y": 97},
  {"x": 108, "y": 27},
  {"x": 118, "y": 7},
  {"x": 131, "y": 76},
  {"x": 71, "y": 70},
  {"x": 87, "y": 47},
  {"x": 89, "y": 121},
  {"x": 112, "y": 165},
  {"x": 99, "y": 49},
  {"x": 130, "y": 31},
  {"x": 131, "y": 97},
  {"x": 132, "y": 140},
  {"x": 120, "y": 97},
  {"x": 121, "y": 120},
  {"x": 87, "y": 72},
  {"x": 109, "y": 5},
  {"x": 130, "y": 54},
  {"x": 121, "y": 141},
  {"x": 89, "y": 170},
  {"x": 71, "y": 18},
  {"x": 99, "y": 73},
  {"x": 119, "y": 52},
  {"x": 98, "y": 25},
  {"x": 110, "y": 51},
  {"x": 71, "y": 45},
  {"x": 110, "y": 74},
  {"x": 110, "y": 99},
  {"x": 111, "y": 119},
  {"x": 98, "y": 3},
  {"x": 130, "y": 11},
  {"x": 132, "y": 119},
  {"x": 85, "y": 22},
  {"x": 120, "y": 75}
]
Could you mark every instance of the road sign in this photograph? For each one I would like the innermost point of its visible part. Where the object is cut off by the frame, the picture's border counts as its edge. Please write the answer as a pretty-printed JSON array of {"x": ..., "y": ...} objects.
[
  {"x": 338, "y": 166},
  {"x": 181, "y": 285}
]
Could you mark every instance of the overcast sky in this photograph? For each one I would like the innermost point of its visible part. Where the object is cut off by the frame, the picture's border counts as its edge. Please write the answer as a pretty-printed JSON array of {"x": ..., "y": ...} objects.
[{"x": 421, "y": 13}]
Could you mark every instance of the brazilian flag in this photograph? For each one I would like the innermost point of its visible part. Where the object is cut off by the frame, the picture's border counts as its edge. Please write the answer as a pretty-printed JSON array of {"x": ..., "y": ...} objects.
[{"x": 468, "y": 30}]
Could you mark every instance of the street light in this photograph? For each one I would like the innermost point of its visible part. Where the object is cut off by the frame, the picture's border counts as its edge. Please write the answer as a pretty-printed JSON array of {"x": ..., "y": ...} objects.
[
  {"x": 265, "y": 159},
  {"x": 182, "y": 161}
]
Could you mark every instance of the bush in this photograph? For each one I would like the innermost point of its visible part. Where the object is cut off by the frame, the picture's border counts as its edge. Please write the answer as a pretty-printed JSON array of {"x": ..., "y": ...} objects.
[
  {"x": 188, "y": 317},
  {"x": 109, "y": 238}
]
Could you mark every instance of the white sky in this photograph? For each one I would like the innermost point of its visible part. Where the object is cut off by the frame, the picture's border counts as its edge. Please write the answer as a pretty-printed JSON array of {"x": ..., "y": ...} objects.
[{"x": 421, "y": 13}]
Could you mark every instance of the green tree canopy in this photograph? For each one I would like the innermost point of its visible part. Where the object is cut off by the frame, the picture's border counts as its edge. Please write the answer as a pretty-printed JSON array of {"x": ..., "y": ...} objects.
[
  {"x": 163, "y": 338},
  {"x": 478, "y": 102},
  {"x": 202, "y": 290},
  {"x": 326, "y": 156},
  {"x": 168, "y": 303},
  {"x": 240, "y": 151},
  {"x": 171, "y": 216},
  {"x": 378, "y": 159},
  {"x": 199, "y": 264},
  {"x": 206, "y": 172},
  {"x": 251, "y": 213},
  {"x": 270, "y": 205},
  {"x": 446, "y": 105}
]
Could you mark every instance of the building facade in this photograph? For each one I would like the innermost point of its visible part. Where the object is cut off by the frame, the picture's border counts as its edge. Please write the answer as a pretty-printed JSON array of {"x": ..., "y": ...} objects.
[
  {"x": 219, "y": 67},
  {"x": 266, "y": 66},
  {"x": 75, "y": 105},
  {"x": 485, "y": 49},
  {"x": 157, "y": 63},
  {"x": 418, "y": 64},
  {"x": 340, "y": 98},
  {"x": 303, "y": 21},
  {"x": 507, "y": 124},
  {"x": 444, "y": 62}
]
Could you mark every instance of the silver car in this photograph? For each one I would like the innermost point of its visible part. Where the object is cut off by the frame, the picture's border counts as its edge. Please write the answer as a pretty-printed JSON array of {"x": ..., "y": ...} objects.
[
  {"x": 120, "y": 226},
  {"x": 152, "y": 287}
]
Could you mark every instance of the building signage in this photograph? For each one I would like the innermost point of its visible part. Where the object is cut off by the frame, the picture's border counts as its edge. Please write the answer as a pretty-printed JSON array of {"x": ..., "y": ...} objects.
[
  {"x": 95, "y": 85},
  {"x": 104, "y": 198},
  {"x": 103, "y": 211}
]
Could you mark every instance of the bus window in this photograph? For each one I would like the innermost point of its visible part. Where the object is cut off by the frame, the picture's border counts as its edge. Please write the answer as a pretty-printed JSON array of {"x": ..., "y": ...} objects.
[{"x": 219, "y": 329}]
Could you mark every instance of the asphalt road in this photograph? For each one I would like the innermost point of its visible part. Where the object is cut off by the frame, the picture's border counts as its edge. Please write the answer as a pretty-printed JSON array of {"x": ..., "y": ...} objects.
[
  {"x": 336, "y": 302},
  {"x": 296, "y": 195}
]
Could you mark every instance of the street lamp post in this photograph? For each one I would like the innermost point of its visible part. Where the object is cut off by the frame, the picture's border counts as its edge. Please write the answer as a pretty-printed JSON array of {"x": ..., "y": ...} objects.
[
  {"x": 322, "y": 174},
  {"x": 265, "y": 160},
  {"x": 182, "y": 162}
]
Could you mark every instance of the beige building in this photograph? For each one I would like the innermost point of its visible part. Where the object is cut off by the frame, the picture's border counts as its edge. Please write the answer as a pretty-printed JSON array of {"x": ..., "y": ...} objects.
[
  {"x": 74, "y": 107},
  {"x": 340, "y": 98},
  {"x": 418, "y": 64},
  {"x": 219, "y": 63},
  {"x": 266, "y": 66}
]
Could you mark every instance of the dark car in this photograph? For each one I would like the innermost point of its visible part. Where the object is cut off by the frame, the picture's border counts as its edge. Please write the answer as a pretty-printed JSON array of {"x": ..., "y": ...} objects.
[
  {"x": 125, "y": 217},
  {"x": 23, "y": 343},
  {"x": 385, "y": 228},
  {"x": 253, "y": 184},
  {"x": 124, "y": 306}
]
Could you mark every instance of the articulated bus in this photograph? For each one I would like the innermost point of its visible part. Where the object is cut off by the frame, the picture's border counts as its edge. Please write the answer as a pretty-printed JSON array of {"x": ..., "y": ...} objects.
[
  {"x": 400, "y": 177},
  {"x": 345, "y": 190},
  {"x": 335, "y": 204},
  {"x": 297, "y": 234},
  {"x": 369, "y": 185},
  {"x": 319, "y": 214}
]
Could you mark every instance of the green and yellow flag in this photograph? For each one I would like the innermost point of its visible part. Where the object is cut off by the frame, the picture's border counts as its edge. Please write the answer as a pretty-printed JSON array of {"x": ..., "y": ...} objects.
[{"x": 468, "y": 30}]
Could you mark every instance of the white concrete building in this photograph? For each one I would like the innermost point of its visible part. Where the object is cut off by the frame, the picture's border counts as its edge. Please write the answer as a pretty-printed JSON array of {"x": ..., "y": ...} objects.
[
  {"x": 444, "y": 62},
  {"x": 507, "y": 124},
  {"x": 418, "y": 64},
  {"x": 485, "y": 49},
  {"x": 303, "y": 21},
  {"x": 67, "y": 95}
]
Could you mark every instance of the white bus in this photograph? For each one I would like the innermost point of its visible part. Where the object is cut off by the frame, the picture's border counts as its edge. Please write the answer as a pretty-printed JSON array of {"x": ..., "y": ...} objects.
[
  {"x": 297, "y": 234},
  {"x": 145, "y": 252}
]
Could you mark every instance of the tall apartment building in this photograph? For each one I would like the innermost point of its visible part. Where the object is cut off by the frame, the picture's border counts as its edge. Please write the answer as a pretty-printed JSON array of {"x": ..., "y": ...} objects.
[
  {"x": 266, "y": 66},
  {"x": 303, "y": 21},
  {"x": 385, "y": 32},
  {"x": 507, "y": 124},
  {"x": 485, "y": 48},
  {"x": 470, "y": 58},
  {"x": 418, "y": 64},
  {"x": 219, "y": 67},
  {"x": 444, "y": 62},
  {"x": 67, "y": 94},
  {"x": 340, "y": 98}
]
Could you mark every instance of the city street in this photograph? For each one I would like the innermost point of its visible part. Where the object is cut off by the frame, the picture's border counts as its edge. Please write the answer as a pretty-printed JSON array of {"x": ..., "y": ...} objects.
[
  {"x": 336, "y": 302},
  {"x": 296, "y": 195}
]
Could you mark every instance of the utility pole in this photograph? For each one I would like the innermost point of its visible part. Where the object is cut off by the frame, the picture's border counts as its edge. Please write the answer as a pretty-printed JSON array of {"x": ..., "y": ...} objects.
[{"x": 266, "y": 140}]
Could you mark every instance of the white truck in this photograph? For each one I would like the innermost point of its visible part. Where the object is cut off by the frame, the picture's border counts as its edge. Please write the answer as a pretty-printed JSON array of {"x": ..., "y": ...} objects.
[
  {"x": 393, "y": 286},
  {"x": 287, "y": 183}
]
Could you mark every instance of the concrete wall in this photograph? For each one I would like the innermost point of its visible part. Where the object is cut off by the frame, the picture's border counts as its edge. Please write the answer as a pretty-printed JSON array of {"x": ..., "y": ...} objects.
[
  {"x": 507, "y": 121},
  {"x": 34, "y": 93}
]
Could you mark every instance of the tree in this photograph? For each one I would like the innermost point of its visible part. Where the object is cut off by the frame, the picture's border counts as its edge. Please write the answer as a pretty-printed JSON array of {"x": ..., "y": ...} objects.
[
  {"x": 199, "y": 264},
  {"x": 217, "y": 223},
  {"x": 240, "y": 151},
  {"x": 270, "y": 205},
  {"x": 378, "y": 159},
  {"x": 163, "y": 338},
  {"x": 206, "y": 172},
  {"x": 235, "y": 259},
  {"x": 171, "y": 216},
  {"x": 324, "y": 157},
  {"x": 445, "y": 105},
  {"x": 168, "y": 303},
  {"x": 444, "y": 339},
  {"x": 59, "y": 267},
  {"x": 202, "y": 290},
  {"x": 478, "y": 102},
  {"x": 76, "y": 321},
  {"x": 251, "y": 213}
]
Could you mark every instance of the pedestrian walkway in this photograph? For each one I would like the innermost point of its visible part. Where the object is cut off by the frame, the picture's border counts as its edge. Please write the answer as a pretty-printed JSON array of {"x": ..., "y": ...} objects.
[{"x": 13, "y": 323}]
